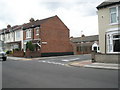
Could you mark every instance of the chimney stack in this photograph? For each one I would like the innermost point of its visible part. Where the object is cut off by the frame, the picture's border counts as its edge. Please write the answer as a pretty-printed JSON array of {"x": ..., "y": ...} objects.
[
  {"x": 32, "y": 20},
  {"x": 8, "y": 26}
]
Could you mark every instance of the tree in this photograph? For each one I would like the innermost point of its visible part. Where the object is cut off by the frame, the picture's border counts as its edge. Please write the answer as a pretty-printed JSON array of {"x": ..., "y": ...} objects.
[{"x": 30, "y": 46}]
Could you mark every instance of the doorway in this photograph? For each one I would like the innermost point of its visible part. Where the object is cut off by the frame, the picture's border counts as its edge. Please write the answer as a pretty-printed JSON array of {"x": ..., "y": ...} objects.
[{"x": 116, "y": 47}]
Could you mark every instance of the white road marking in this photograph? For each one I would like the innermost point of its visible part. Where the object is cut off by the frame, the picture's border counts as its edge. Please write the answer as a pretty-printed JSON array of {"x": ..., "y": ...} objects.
[
  {"x": 43, "y": 61},
  {"x": 67, "y": 60},
  {"x": 56, "y": 63}
]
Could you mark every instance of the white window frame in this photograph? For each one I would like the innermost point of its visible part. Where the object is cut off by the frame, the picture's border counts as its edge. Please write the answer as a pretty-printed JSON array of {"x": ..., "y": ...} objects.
[
  {"x": 37, "y": 31},
  {"x": 28, "y": 33},
  {"x": 17, "y": 34},
  {"x": 115, "y": 39},
  {"x": 110, "y": 46},
  {"x": 117, "y": 15}
]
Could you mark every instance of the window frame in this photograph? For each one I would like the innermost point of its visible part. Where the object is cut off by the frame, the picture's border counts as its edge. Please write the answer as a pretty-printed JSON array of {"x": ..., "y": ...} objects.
[
  {"x": 17, "y": 34},
  {"x": 37, "y": 31},
  {"x": 116, "y": 7},
  {"x": 28, "y": 33}
]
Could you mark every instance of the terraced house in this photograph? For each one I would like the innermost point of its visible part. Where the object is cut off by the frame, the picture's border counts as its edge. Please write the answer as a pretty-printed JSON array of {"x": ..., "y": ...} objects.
[
  {"x": 50, "y": 36},
  {"x": 109, "y": 26},
  {"x": 12, "y": 37}
]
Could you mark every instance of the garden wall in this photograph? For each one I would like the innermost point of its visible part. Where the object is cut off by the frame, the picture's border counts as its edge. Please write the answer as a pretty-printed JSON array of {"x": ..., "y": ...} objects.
[{"x": 105, "y": 58}]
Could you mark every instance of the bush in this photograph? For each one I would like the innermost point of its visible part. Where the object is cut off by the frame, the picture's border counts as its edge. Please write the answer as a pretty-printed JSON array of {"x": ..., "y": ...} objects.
[{"x": 30, "y": 46}]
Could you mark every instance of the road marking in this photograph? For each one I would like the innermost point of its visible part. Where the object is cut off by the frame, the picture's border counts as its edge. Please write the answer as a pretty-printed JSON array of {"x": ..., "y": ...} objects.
[
  {"x": 43, "y": 61},
  {"x": 67, "y": 60},
  {"x": 55, "y": 63}
]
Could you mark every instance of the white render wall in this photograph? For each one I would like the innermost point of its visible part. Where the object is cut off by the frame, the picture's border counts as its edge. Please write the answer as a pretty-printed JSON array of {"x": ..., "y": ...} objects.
[
  {"x": 9, "y": 37},
  {"x": 20, "y": 38},
  {"x": 12, "y": 37},
  {"x": 104, "y": 25}
]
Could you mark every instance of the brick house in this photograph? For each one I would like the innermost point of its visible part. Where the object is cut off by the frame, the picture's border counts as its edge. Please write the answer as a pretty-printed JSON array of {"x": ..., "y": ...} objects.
[
  {"x": 50, "y": 35},
  {"x": 85, "y": 44}
]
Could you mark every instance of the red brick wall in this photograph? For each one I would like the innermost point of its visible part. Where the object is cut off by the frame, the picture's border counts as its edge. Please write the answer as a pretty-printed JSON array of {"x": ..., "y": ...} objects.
[
  {"x": 56, "y": 34},
  {"x": 24, "y": 34},
  {"x": 32, "y": 36},
  {"x": 31, "y": 54},
  {"x": 18, "y": 53}
]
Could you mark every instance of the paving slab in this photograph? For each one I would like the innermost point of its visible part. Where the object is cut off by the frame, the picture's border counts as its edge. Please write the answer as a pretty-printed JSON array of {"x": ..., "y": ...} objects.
[{"x": 89, "y": 64}]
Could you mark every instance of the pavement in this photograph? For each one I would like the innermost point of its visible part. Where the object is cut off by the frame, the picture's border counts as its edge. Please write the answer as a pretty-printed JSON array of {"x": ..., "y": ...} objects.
[{"x": 89, "y": 64}]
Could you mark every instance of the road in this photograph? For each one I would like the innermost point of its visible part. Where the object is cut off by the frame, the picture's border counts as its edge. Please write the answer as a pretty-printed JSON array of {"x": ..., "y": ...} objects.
[
  {"x": 55, "y": 73},
  {"x": 0, "y": 75}
]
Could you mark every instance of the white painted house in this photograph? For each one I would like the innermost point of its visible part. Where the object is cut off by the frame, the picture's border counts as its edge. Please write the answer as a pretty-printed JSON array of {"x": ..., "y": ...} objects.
[
  {"x": 12, "y": 37},
  {"x": 109, "y": 26}
]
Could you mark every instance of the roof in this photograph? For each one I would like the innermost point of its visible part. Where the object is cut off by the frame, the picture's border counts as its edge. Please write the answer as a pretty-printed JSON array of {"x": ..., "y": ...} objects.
[
  {"x": 16, "y": 27},
  {"x": 108, "y": 3},
  {"x": 85, "y": 39},
  {"x": 32, "y": 24},
  {"x": 85, "y": 44},
  {"x": 8, "y": 30},
  {"x": 36, "y": 23}
]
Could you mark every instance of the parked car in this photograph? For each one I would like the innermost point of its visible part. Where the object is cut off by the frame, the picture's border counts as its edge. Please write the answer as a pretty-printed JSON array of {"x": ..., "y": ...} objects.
[{"x": 3, "y": 55}]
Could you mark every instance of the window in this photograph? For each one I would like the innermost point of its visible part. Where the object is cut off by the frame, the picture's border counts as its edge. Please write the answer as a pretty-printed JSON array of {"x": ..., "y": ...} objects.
[
  {"x": 18, "y": 34},
  {"x": 0, "y": 37},
  {"x": 116, "y": 36},
  {"x": 6, "y": 37},
  {"x": 28, "y": 33},
  {"x": 116, "y": 43},
  {"x": 37, "y": 31},
  {"x": 119, "y": 14},
  {"x": 95, "y": 48},
  {"x": 9, "y": 36},
  {"x": 77, "y": 48},
  {"x": 113, "y": 15}
]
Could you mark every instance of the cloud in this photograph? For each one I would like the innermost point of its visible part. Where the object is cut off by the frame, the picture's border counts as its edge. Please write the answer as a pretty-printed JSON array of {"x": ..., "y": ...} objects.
[
  {"x": 52, "y": 5},
  {"x": 76, "y": 14},
  {"x": 85, "y": 7}
]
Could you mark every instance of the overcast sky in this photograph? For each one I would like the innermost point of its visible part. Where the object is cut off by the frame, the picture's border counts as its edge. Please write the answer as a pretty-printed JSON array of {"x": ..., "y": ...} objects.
[{"x": 78, "y": 15}]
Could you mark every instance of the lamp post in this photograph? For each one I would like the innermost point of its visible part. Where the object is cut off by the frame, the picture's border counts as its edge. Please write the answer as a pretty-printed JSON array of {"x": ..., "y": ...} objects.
[{"x": 81, "y": 42}]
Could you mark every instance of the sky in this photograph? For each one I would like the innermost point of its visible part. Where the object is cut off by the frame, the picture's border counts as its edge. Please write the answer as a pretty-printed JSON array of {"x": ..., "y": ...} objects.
[{"x": 80, "y": 16}]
